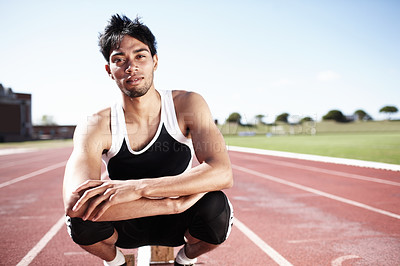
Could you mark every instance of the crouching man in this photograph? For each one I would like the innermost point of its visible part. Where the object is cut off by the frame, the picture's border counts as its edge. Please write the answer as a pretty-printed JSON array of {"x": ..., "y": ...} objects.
[{"x": 147, "y": 141}]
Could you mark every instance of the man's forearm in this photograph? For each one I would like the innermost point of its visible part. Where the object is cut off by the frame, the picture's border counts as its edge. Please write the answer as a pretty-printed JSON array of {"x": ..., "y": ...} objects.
[
  {"x": 148, "y": 207},
  {"x": 202, "y": 178},
  {"x": 139, "y": 208}
]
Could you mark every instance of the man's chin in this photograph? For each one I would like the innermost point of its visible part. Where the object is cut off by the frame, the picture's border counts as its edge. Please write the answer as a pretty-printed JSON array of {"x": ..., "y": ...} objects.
[{"x": 135, "y": 93}]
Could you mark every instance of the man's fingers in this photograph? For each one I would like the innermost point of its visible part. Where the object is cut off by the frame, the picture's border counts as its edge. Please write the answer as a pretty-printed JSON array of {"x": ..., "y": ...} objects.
[
  {"x": 111, "y": 199},
  {"x": 96, "y": 203},
  {"x": 101, "y": 210},
  {"x": 89, "y": 194},
  {"x": 88, "y": 184}
]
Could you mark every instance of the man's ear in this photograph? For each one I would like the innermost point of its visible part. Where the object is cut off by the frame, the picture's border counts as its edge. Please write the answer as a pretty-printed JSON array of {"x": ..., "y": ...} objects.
[
  {"x": 109, "y": 71},
  {"x": 155, "y": 61}
]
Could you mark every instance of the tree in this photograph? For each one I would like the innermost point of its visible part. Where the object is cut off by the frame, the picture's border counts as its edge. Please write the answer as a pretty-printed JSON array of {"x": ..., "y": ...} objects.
[
  {"x": 335, "y": 115},
  {"x": 362, "y": 115},
  {"x": 306, "y": 119},
  {"x": 259, "y": 118},
  {"x": 282, "y": 118},
  {"x": 48, "y": 120},
  {"x": 389, "y": 110},
  {"x": 234, "y": 118}
]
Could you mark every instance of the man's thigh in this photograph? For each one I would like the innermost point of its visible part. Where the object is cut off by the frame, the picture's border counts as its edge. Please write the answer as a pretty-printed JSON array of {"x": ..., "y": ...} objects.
[
  {"x": 164, "y": 230},
  {"x": 211, "y": 218}
]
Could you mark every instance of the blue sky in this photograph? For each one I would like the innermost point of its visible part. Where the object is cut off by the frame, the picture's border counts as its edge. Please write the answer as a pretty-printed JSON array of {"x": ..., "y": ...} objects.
[{"x": 252, "y": 57}]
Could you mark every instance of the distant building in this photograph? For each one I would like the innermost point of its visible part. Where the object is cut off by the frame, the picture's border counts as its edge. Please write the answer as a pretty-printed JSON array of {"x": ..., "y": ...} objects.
[
  {"x": 16, "y": 120},
  {"x": 15, "y": 115},
  {"x": 53, "y": 132}
]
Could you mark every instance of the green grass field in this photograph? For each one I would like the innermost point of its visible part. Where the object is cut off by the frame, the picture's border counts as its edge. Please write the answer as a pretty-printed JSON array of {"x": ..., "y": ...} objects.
[
  {"x": 318, "y": 127},
  {"x": 378, "y": 147},
  {"x": 377, "y": 141}
]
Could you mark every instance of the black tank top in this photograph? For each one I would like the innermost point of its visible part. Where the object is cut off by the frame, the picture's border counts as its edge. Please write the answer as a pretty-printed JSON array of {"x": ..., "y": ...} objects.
[{"x": 168, "y": 153}]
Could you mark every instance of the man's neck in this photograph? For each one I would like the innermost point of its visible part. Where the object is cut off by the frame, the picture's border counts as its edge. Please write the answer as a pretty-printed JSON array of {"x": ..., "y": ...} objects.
[{"x": 144, "y": 108}]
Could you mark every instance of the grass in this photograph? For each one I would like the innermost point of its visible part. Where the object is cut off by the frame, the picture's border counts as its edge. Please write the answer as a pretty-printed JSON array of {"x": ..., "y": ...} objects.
[
  {"x": 378, "y": 147},
  {"x": 318, "y": 127},
  {"x": 377, "y": 141}
]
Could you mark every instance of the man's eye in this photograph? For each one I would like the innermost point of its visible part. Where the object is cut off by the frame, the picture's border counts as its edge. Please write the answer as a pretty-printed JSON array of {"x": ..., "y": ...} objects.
[{"x": 118, "y": 60}]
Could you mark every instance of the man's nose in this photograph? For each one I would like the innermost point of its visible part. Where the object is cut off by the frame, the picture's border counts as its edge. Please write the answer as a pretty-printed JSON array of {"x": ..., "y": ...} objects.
[{"x": 131, "y": 67}]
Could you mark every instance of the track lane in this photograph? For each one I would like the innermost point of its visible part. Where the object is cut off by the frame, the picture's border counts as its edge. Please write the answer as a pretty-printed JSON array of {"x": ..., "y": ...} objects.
[
  {"x": 302, "y": 227},
  {"x": 307, "y": 228},
  {"x": 31, "y": 206},
  {"x": 15, "y": 165},
  {"x": 382, "y": 195}
]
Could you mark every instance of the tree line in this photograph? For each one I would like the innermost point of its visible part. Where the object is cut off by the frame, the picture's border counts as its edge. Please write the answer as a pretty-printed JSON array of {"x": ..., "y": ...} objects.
[{"x": 335, "y": 115}]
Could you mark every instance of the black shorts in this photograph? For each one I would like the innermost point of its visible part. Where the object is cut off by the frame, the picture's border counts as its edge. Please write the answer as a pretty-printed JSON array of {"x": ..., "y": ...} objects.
[{"x": 209, "y": 220}]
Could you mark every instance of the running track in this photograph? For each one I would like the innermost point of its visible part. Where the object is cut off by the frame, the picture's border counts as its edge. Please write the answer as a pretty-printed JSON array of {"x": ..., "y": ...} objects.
[{"x": 288, "y": 212}]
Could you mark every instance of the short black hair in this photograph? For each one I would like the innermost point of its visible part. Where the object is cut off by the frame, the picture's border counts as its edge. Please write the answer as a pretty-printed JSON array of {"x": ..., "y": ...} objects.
[{"x": 119, "y": 26}]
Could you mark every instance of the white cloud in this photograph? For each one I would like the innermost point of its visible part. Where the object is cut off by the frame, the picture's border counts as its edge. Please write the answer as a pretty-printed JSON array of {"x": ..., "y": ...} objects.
[{"x": 328, "y": 75}]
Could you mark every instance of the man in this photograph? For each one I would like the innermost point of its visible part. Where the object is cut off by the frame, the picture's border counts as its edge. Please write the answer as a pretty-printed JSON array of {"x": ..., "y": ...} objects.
[{"x": 147, "y": 142}]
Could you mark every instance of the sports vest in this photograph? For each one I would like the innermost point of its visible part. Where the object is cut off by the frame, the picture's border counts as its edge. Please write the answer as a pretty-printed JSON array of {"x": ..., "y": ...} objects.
[{"x": 168, "y": 153}]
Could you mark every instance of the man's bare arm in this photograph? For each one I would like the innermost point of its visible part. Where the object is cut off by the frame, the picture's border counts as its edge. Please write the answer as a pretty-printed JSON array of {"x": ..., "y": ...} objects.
[
  {"x": 84, "y": 163},
  {"x": 144, "y": 207}
]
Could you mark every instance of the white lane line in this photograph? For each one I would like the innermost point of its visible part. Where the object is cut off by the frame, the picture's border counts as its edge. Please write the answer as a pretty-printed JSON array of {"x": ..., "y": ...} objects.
[
  {"x": 45, "y": 239},
  {"x": 326, "y": 171},
  {"x": 339, "y": 261},
  {"x": 272, "y": 253},
  {"x": 30, "y": 256},
  {"x": 315, "y": 191},
  {"x": 16, "y": 151},
  {"x": 32, "y": 159},
  {"x": 35, "y": 173},
  {"x": 318, "y": 158}
]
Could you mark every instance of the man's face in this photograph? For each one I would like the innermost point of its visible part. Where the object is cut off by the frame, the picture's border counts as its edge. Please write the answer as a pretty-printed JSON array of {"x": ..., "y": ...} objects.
[{"x": 132, "y": 67}]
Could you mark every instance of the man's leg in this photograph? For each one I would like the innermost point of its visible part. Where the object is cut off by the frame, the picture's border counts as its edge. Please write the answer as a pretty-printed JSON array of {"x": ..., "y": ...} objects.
[
  {"x": 195, "y": 247},
  {"x": 211, "y": 222},
  {"x": 105, "y": 249},
  {"x": 97, "y": 238}
]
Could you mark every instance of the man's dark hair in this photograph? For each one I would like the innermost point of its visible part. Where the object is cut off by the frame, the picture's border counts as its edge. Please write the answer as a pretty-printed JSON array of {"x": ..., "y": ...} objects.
[{"x": 118, "y": 27}]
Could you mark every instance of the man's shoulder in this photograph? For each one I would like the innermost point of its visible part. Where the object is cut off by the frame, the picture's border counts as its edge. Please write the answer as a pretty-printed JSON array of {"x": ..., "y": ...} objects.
[
  {"x": 186, "y": 99},
  {"x": 98, "y": 122},
  {"x": 100, "y": 117},
  {"x": 183, "y": 93}
]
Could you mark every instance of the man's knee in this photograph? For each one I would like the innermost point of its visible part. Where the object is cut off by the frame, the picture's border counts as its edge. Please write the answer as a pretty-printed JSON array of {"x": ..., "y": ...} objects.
[
  {"x": 213, "y": 217},
  {"x": 88, "y": 233},
  {"x": 212, "y": 204}
]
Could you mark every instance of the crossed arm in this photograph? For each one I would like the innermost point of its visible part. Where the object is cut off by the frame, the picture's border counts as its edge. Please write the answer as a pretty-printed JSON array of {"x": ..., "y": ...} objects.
[
  {"x": 88, "y": 197},
  {"x": 88, "y": 200}
]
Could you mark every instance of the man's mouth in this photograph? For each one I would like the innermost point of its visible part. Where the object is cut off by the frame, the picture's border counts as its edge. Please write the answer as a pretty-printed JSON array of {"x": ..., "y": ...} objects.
[{"x": 134, "y": 80}]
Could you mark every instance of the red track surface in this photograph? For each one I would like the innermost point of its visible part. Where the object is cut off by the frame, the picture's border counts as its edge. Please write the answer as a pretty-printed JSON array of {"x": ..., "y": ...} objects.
[{"x": 288, "y": 211}]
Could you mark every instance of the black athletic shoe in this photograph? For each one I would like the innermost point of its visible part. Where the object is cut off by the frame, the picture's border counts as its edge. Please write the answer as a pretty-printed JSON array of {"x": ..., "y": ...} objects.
[{"x": 177, "y": 264}]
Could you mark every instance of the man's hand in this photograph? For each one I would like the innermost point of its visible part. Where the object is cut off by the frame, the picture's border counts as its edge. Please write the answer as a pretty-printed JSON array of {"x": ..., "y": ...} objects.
[{"x": 102, "y": 194}]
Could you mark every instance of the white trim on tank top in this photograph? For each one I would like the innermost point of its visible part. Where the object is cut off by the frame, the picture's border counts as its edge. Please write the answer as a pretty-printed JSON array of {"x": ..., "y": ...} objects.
[{"x": 168, "y": 118}]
